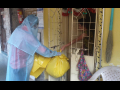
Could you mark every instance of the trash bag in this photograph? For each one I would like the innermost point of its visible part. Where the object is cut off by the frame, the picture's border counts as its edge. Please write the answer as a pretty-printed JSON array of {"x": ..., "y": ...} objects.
[
  {"x": 58, "y": 66},
  {"x": 39, "y": 65},
  {"x": 43, "y": 61},
  {"x": 37, "y": 73}
]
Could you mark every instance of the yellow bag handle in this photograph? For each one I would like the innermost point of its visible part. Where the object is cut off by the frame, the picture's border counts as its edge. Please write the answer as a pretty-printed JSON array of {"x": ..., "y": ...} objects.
[
  {"x": 60, "y": 50},
  {"x": 63, "y": 55}
]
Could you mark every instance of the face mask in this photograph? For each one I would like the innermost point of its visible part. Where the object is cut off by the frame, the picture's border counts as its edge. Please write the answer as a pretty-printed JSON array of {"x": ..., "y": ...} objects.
[
  {"x": 34, "y": 29},
  {"x": 36, "y": 26}
]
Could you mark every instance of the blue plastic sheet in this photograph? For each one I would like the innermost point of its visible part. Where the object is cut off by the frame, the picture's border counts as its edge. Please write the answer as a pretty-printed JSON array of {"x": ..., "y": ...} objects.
[{"x": 23, "y": 45}]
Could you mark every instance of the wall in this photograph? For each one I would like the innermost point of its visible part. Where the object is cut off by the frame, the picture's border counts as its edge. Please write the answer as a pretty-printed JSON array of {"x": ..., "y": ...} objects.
[
  {"x": 46, "y": 32},
  {"x": 7, "y": 25},
  {"x": 0, "y": 30},
  {"x": 14, "y": 18},
  {"x": 46, "y": 27},
  {"x": 54, "y": 28},
  {"x": 115, "y": 59},
  {"x": 28, "y": 11},
  {"x": 10, "y": 24}
]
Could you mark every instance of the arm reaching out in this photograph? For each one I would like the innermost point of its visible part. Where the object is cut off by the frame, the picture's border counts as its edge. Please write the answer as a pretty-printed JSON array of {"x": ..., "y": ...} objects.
[
  {"x": 74, "y": 41},
  {"x": 44, "y": 51}
]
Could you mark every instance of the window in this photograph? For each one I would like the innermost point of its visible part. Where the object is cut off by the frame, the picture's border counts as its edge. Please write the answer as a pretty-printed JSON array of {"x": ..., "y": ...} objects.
[{"x": 84, "y": 22}]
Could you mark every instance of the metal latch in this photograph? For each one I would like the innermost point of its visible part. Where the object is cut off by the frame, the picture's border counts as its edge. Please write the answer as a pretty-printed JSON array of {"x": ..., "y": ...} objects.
[{"x": 54, "y": 46}]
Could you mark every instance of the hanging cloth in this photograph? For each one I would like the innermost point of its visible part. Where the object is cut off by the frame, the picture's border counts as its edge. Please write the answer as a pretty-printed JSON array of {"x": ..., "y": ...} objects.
[{"x": 84, "y": 72}]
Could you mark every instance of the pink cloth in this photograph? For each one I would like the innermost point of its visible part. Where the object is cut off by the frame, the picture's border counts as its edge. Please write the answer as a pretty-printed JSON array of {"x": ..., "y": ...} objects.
[{"x": 16, "y": 55}]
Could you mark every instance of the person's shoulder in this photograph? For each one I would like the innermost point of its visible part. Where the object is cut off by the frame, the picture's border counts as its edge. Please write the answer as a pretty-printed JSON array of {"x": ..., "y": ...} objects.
[{"x": 18, "y": 32}]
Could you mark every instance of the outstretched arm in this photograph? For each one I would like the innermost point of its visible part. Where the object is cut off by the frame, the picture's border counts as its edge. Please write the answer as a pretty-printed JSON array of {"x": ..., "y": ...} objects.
[
  {"x": 74, "y": 41},
  {"x": 44, "y": 51}
]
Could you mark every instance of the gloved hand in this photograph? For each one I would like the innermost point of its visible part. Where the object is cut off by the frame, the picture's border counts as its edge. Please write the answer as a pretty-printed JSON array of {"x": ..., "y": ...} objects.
[{"x": 58, "y": 53}]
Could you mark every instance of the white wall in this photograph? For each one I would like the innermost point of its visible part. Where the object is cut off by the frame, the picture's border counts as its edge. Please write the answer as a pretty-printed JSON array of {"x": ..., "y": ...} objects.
[
  {"x": 74, "y": 69},
  {"x": 6, "y": 19}
]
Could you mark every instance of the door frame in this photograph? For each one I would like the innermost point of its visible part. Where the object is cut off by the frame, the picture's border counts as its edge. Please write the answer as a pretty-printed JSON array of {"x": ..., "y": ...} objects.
[{"x": 3, "y": 32}]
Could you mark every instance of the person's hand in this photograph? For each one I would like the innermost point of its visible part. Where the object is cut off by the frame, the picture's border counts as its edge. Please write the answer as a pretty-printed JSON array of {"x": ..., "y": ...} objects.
[{"x": 63, "y": 47}]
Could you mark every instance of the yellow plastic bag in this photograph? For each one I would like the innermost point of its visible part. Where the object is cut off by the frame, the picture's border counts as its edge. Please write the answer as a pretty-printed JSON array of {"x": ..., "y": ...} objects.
[
  {"x": 37, "y": 73},
  {"x": 39, "y": 65},
  {"x": 35, "y": 65},
  {"x": 43, "y": 61},
  {"x": 58, "y": 66}
]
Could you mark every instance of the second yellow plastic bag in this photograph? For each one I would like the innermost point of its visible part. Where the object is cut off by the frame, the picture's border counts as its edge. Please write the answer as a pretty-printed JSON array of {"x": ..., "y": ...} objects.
[
  {"x": 58, "y": 66},
  {"x": 39, "y": 65},
  {"x": 37, "y": 73}
]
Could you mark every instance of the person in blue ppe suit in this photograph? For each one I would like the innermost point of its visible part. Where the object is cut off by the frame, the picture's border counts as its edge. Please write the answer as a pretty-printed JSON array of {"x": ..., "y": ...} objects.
[{"x": 23, "y": 45}]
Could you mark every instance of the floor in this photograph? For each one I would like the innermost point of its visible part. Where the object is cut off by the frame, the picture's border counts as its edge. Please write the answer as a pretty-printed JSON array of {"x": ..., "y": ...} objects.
[{"x": 3, "y": 66}]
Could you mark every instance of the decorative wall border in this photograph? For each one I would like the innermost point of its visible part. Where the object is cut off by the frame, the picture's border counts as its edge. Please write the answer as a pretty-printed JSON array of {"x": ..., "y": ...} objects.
[{"x": 100, "y": 34}]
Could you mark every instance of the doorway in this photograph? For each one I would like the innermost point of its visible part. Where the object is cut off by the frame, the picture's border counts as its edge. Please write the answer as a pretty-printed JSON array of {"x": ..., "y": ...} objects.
[
  {"x": 82, "y": 23},
  {"x": 64, "y": 29}
]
